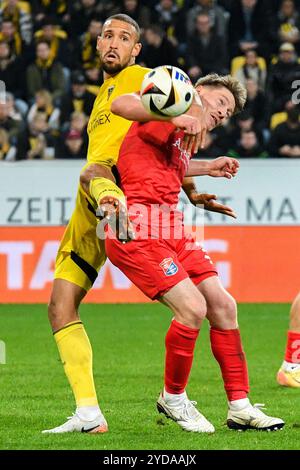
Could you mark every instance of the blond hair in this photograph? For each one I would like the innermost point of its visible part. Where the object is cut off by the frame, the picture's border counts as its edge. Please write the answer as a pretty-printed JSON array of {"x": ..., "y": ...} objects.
[
  {"x": 231, "y": 83},
  {"x": 46, "y": 95}
]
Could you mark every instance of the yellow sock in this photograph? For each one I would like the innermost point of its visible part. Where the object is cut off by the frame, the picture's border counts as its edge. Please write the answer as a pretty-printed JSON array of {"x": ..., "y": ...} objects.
[{"x": 77, "y": 357}]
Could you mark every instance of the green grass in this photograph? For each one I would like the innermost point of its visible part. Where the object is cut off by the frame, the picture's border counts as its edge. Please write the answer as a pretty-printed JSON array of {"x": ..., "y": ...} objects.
[{"x": 128, "y": 344}]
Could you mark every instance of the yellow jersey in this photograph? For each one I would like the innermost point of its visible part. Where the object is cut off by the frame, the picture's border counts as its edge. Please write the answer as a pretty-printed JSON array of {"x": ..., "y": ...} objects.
[{"x": 106, "y": 130}]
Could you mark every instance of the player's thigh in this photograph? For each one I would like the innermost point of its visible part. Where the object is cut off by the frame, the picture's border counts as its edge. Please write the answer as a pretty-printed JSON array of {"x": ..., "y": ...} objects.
[
  {"x": 64, "y": 303},
  {"x": 186, "y": 302},
  {"x": 221, "y": 306},
  {"x": 150, "y": 264},
  {"x": 81, "y": 254}
]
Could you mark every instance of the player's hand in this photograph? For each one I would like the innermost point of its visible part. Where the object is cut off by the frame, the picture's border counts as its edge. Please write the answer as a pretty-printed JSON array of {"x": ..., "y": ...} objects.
[
  {"x": 226, "y": 167},
  {"x": 194, "y": 142},
  {"x": 114, "y": 212},
  {"x": 209, "y": 202},
  {"x": 192, "y": 129}
]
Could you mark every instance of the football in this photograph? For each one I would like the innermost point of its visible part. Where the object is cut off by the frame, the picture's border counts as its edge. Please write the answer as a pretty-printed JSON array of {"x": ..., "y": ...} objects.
[{"x": 167, "y": 91}]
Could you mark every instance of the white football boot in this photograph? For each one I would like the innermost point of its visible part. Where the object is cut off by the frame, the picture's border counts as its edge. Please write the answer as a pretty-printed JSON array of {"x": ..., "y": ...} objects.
[
  {"x": 77, "y": 424},
  {"x": 185, "y": 414},
  {"x": 251, "y": 417}
]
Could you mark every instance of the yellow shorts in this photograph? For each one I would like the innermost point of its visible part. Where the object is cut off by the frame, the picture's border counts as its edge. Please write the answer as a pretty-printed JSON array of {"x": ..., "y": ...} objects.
[{"x": 81, "y": 253}]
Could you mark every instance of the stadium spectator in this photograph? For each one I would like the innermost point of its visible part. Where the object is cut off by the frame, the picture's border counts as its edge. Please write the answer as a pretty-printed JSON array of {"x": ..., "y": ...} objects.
[
  {"x": 251, "y": 69},
  {"x": 243, "y": 122},
  {"x": 94, "y": 79},
  {"x": 158, "y": 49},
  {"x": 210, "y": 149},
  {"x": 285, "y": 138},
  {"x": 249, "y": 27},
  {"x": 140, "y": 13},
  {"x": 287, "y": 25},
  {"x": 8, "y": 150},
  {"x": 218, "y": 17},
  {"x": 72, "y": 146},
  {"x": 256, "y": 104},
  {"x": 19, "y": 14},
  {"x": 59, "y": 9},
  {"x": 84, "y": 10},
  {"x": 248, "y": 146},
  {"x": 44, "y": 104},
  {"x": 56, "y": 38},
  {"x": 78, "y": 123},
  {"x": 282, "y": 74},
  {"x": 77, "y": 99},
  {"x": 37, "y": 141},
  {"x": 45, "y": 73},
  {"x": 13, "y": 111},
  {"x": 206, "y": 50},
  {"x": 88, "y": 55},
  {"x": 169, "y": 16},
  {"x": 11, "y": 72},
  {"x": 10, "y": 35},
  {"x": 9, "y": 120}
]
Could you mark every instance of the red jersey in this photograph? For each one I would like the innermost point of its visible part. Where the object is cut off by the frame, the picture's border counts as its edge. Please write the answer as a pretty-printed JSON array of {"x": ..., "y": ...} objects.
[{"x": 151, "y": 163}]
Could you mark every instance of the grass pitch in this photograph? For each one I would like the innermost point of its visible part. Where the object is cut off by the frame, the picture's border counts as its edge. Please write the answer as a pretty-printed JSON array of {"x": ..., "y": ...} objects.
[{"x": 128, "y": 344}]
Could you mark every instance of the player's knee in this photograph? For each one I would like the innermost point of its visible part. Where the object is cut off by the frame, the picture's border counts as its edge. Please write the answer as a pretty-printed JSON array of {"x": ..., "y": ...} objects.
[
  {"x": 59, "y": 314},
  {"x": 53, "y": 310},
  {"x": 224, "y": 312},
  {"x": 229, "y": 308},
  {"x": 193, "y": 313}
]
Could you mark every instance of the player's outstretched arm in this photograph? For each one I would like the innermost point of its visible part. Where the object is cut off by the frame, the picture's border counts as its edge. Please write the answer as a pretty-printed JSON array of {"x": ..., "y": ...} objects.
[
  {"x": 226, "y": 167},
  {"x": 130, "y": 106}
]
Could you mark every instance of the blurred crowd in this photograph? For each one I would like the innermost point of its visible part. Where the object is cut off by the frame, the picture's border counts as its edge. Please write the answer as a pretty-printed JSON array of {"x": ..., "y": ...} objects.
[{"x": 52, "y": 72}]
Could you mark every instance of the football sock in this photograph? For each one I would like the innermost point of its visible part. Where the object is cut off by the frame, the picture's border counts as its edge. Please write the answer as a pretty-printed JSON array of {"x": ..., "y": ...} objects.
[
  {"x": 227, "y": 348},
  {"x": 237, "y": 405},
  {"x": 180, "y": 343},
  {"x": 101, "y": 187},
  {"x": 88, "y": 413},
  {"x": 289, "y": 366},
  {"x": 173, "y": 398},
  {"x": 292, "y": 351},
  {"x": 77, "y": 358}
]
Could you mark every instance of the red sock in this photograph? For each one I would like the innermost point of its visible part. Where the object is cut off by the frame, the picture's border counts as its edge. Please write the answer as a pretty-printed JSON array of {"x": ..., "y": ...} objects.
[
  {"x": 180, "y": 343},
  {"x": 292, "y": 352},
  {"x": 227, "y": 348}
]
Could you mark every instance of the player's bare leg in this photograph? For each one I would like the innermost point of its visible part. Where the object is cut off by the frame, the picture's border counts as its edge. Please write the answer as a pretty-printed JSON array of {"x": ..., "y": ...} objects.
[
  {"x": 189, "y": 309},
  {"x": 76, "y": 355},
  {"x": 289, "y": 373},
  {"x": 227, "y": 348}
]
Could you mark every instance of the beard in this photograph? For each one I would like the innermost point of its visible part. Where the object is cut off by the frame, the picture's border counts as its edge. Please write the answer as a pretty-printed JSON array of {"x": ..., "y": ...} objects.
[{"x": 113, "y": 69}]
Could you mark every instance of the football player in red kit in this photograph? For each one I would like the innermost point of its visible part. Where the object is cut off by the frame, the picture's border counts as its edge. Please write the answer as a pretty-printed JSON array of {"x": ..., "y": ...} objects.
[{"x": 171, "y": 267}]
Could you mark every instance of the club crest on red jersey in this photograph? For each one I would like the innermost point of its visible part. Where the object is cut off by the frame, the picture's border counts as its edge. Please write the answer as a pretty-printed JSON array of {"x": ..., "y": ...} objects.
[{"x": 168, "y": 266}]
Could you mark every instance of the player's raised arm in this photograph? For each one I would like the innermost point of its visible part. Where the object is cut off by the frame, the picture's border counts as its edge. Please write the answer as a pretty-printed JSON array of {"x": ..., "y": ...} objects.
[{"x": 130, "y": 107}]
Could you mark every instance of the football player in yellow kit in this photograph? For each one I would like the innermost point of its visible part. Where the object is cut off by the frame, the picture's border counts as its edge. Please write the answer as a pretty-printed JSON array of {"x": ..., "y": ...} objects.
[{"x": 81, "y": 254}]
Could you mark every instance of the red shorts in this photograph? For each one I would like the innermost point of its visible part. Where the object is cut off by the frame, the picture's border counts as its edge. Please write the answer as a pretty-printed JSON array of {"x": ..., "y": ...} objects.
[{"x": 156, "y": 265}]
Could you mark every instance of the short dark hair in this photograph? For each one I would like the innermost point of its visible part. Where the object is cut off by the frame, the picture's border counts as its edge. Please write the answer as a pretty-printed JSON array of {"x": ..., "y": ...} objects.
[
  {"x": 126, "y": 19},
  {"x": 156, "y": 29}
]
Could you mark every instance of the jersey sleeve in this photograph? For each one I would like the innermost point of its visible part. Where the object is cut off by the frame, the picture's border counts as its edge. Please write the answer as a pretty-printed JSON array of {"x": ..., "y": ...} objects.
[{"x": 156, "y": 132}]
